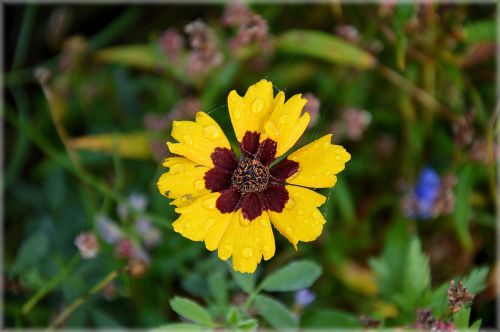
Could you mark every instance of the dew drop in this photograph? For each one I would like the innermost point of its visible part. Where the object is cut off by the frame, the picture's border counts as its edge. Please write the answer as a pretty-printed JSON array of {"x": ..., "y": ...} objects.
[
  {"x": 257, "y": 105},
  {"x": 291, "y": 204},
  {"x": 244, "y": 221},
  {"x": 338, "y": 157},
  {"x": 263, "y": 222},
  {"x": 316, "y": 215},
  {"x": 188, "y": 139},
  {"x": 210, "y": 203},
  {"x": 211, "y": 132},
  {"x": 237, "y": 114},
  {"x": 289, "y": 231},
  {"x": 300, "y": 212},
  {"x": 176, "y": 168},
  {"x": 199, "y": 184},
  {"x": 247, "y": 252},
  {"x": 271, "y": 129}
]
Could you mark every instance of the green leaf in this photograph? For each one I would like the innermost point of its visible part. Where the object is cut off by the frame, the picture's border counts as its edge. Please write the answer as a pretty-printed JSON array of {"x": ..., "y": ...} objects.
[
  {"x": 248, "y": 325},
  {"x": 461, "y": 318},
  {"x": 476, "y": 326},
  {"x": 344, "y": 200},
  {"x": 137, "y": 56},
  {"x": 328, "y": 318},
  {"x": 246, "y": 281},
  {"x": 463, "y": 211},
  {"x": 135, "y": 145},
  {"x": 233, "y": 316},
  {"x": 31, "y": 251},
  {"x": 439, "y": 300},
  {"x": 480, "y": 31},
  {"x": 192, "y": 311},
  {"x": 178, "y": 327},
  {"x": 417, "y": 276},
  {"x": 475, "y": 281},
  {"x": 218, "y": 287},
  {"x": 275, "y": 313},
  {"x": 294, "y": 276},
  {"x": 324, "y": 46}
]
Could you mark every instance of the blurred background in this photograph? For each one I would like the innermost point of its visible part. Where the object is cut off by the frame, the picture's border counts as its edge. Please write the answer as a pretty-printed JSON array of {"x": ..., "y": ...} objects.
[{"x": 90, "y": 95}]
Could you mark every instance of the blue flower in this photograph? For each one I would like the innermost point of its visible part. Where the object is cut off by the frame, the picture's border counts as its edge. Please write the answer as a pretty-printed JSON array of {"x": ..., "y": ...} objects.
[
  {"x": 420, "y": 203},
  {"x": 304, "y": 297}
]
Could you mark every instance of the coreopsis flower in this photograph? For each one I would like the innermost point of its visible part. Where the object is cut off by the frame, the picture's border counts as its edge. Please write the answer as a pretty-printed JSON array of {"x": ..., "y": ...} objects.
[{"x": 230, "y": 202}]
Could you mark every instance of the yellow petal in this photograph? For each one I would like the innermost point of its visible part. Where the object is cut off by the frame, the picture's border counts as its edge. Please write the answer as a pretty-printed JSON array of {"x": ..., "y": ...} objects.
[
  {"x": 202, "y": 221},
  {"x": 198, "y": 139},
  {"x": 183, "y": 182},
  {"x": 300, "y": 220},
  {"x": 248, "y": 113},
  {"x": 319, "y": 162},
  {"x": 247, "y": 242},
  {"x": 286, "y": 125}
]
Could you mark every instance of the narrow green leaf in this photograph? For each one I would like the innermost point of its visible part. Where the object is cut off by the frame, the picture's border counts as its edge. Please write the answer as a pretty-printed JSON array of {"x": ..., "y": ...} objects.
[
  {"x": 404, "y": 13},
  {"x": 178, "y": 327},
  {"x": 294, "y": 276},
  {"x": 475, "y": 281},
  {"x": 275, "y": 313},
  {"x": 31, "y": 251},
  {"x": 248, "y": 325},
  {"x": 192, "y": 311},
  {"x": 476, "y": 326},
  {"x": 220, "y": 83},
  {"x": 324, "y": 46},
  {"x": 461, "y": 318},
  {"x": 463, "y": 211},
  {"x": 246, "y": 281},
  {"x": 480, "y": 31}
]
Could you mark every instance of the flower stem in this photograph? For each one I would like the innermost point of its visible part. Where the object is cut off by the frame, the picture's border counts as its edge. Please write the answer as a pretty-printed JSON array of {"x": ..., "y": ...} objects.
[
  {"x": 61, "y": 318},
  {"x": 49, "y": 286}
]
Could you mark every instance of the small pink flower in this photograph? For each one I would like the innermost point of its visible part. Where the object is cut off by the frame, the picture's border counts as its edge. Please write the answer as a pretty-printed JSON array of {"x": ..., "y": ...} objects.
[
  {"x": 312, "y": 107},
  {"x": 87, "y": 245},
  {"x": 172, "y": 43}
]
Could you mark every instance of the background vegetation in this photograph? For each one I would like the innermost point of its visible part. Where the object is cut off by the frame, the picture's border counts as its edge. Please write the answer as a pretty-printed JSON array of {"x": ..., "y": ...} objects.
[{"x": 90, "y": 95}]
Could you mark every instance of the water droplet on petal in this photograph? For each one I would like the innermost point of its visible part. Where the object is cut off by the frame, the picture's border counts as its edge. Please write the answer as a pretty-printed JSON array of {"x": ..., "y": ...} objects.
[
  {"x": 237, "y": 114},
  {"x": 257, "y": 105},
  {"x": 289, "y": 231},
  {"x": 247, "y": 252},
  {"x": 338, "y": 157},
  {"x": 211, "y": 132},
  {"x": 291, "y": 204},
  {"x": 199, "y": 184},
  {"x": 210, "y": 203},
  {"x": 176, "y": 168},
  {"x": 188, "y": 139},
  {"x": 316, "y": 215},
  {"x": 300, "y": 212},
  {"x": 263, "y": 222}
]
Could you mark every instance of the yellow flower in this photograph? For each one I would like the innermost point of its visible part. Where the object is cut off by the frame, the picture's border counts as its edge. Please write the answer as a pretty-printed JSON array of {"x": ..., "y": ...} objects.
[{"x": 230, "y": 202}]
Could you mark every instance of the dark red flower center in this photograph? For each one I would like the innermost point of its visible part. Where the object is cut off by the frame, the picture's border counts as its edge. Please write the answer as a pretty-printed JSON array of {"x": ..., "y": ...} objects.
[
  {"x": 250, "y": 176},
  {"x": 250, "y": 183}
]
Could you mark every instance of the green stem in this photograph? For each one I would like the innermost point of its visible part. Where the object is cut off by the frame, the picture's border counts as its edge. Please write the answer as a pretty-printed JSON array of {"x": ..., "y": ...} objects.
[
  {"x": 249, "y": 301},
  {"x": 22, "y": 46},
  {"x": 81, "y": 300},
  {"x": 49, "y": 286}
]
